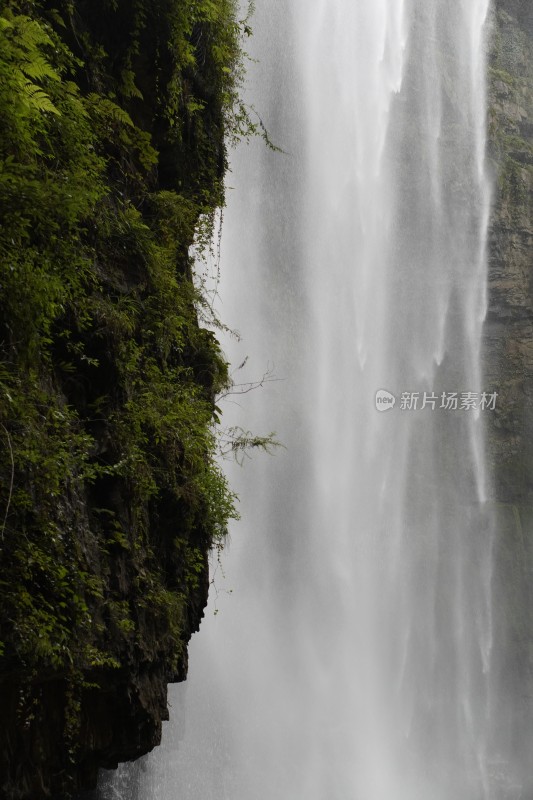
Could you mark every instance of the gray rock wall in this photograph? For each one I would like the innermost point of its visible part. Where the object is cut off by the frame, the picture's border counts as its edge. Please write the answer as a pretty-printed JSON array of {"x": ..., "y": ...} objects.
[
  {"x": 509, "y": 329},
  {"x": 509, "y": 371}
]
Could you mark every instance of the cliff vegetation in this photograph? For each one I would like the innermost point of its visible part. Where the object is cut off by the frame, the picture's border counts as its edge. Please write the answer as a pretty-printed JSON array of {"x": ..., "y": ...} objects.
[{"x": 114, "y": 116}]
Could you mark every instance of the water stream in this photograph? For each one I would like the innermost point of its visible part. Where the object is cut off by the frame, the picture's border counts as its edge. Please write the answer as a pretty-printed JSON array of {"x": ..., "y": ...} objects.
[{"x": 352, "y": 658}]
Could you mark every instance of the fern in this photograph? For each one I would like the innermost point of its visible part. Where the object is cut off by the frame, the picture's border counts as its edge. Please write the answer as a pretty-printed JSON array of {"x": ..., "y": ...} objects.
[
  {"x": 21, "y": 43},
  {"x": 39, "y": 69},
  {"x": 108, "y": 109},
  {"x": 129, "y": 87},
  {"x": 38, "y": 100}
]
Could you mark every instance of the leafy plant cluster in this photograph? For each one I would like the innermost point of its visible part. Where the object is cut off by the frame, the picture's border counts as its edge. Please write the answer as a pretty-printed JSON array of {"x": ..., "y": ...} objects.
[{"x": 114, "y": 118}]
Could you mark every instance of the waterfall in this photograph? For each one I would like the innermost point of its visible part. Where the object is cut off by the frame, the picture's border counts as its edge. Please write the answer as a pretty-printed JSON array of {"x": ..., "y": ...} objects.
[{"x": 351, "y": 655}]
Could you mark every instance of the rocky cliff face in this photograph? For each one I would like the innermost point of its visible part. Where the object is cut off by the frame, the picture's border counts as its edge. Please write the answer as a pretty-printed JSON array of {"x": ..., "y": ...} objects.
[
  {"x": 509, "y": 362},
  {"x": 112, "y": 123},
  {"x": 509, "y": 331}
]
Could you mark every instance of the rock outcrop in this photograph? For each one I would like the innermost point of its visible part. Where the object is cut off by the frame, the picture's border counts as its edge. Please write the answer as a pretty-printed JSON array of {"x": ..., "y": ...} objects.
[{"x": 113, "y": 119}]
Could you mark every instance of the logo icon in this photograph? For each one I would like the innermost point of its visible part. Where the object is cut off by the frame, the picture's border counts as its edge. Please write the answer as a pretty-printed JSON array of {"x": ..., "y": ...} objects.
[{"x": 385, "y": 401}]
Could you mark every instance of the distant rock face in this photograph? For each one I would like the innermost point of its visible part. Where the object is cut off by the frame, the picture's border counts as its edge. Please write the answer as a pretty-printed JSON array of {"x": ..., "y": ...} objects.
[
  {"x": 508, "y": 368},
  {"x": 509, "y": 329}
]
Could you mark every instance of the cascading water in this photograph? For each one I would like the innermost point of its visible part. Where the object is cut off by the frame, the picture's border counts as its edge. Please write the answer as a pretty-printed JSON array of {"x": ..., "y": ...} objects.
[{"x": 353, "y": 660}]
